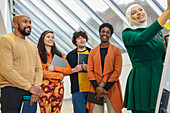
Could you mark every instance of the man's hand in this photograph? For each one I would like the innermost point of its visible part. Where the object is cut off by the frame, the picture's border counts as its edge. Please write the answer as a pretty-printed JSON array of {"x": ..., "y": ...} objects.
[
  {"x": 35, "y": 90},
  {"x": 84, "y": 66},
  {"x": 77, "y": 69},
  {"x": 33, "y": 99}
]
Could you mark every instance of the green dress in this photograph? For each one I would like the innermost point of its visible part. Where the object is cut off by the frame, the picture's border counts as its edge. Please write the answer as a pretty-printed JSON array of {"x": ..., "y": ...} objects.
[{"x": 145, "y": 48}]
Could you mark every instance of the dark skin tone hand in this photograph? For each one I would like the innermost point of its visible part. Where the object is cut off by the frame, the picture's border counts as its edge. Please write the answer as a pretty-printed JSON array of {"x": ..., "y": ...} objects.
[
  {"x": 100, "y": 92},
  {"x": 35, "y": 93}
]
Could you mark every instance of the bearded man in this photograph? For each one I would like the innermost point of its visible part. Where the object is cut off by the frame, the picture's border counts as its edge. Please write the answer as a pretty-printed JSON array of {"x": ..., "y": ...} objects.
[{"x": 20, "y": 66}]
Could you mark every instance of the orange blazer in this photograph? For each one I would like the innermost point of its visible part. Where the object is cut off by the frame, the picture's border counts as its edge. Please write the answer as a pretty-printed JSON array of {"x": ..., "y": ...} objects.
[{"x": 111, "y": 73}]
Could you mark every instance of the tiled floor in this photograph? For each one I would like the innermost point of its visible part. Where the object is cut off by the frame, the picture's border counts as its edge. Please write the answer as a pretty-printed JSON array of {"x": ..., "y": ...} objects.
[{"x": 67, "y": 107}]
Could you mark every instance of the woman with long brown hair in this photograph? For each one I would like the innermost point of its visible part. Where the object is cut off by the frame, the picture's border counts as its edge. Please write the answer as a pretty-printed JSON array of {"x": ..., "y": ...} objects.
[{"x": 52, "y": 85}]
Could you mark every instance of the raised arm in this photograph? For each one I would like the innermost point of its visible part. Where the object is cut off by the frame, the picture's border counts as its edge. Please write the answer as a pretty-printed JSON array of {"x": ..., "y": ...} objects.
[{"x": 165, "y": 16}]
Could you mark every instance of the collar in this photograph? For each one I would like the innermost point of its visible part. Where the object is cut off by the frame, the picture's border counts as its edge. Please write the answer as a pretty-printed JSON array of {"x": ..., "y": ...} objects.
[{"x": 75, "y": 50}]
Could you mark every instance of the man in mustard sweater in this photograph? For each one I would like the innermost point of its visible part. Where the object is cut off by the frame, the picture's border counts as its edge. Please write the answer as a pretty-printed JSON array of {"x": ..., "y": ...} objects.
[{"x": 20, "y": 67}]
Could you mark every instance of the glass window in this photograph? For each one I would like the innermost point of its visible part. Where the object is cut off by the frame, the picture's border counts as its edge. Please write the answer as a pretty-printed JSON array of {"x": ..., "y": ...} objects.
[
  {"x": 84, "y": 16},
  {"x": 107, "y": 14},
  {"x": 68, "y": 18},
  {"x": 163, "y": 3}
]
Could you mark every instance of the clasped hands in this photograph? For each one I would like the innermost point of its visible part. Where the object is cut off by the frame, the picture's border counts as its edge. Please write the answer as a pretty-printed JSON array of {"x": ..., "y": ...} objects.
[
  {"x": 35, "y": 94},
  {"x": 101, "y": 92},
  {"x": 51, "y": 68},
  {"x": 80, "y": 67}
]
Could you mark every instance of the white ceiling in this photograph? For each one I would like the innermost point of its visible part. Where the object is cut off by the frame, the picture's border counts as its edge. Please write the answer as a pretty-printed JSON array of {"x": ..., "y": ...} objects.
[{"x": 64, "y": 17}]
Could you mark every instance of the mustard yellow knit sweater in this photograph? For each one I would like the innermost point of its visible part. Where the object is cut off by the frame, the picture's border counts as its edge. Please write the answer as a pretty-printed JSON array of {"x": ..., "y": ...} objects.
[{"x": 20, "y": 65}]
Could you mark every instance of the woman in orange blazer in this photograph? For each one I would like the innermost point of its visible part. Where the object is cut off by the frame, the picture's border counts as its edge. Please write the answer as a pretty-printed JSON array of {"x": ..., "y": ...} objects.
[
  {"x": 104, "y": 69},
  {"x": 52, "y": 86}
]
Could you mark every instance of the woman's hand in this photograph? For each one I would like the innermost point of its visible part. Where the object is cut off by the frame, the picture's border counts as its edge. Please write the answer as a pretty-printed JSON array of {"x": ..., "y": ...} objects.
[
  {"x": 50, "y": 67},
  {"x": 100, "y": 92},
  {"x": 168, "y": 4},
  {"x": 165, "y": 16},
  {"x": 99, "y": 97},
  {"x": 62, "y": 77}
]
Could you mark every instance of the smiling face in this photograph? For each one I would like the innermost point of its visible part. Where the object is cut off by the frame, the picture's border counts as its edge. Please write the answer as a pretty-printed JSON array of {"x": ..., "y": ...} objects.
[
  {"x": 49, "y": 39},
  {"x": 23, "y": 25},
  {"x": 138, "y": 14},
  {"x": 105, "y": 34},
  {"x": 80, "y": 41}
]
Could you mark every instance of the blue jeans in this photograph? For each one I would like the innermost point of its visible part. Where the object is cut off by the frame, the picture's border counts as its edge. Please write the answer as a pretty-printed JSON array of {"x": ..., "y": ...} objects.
[{"x": 79, "y": 100}]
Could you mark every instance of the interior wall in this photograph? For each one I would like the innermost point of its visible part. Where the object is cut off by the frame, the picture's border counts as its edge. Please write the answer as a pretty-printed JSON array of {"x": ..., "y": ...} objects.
[
  {"x": 3, "y": 29},
  {"x": 5, "y": 19},
  {"x": 5, "y": 23},
  {"x": 127, "y": 66}
]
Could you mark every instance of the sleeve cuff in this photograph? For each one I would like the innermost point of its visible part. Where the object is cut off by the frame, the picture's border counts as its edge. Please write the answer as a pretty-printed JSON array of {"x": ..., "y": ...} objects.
[
  {"x": 27, "y": 87},
  {"x": 94, "y": 83},
  {"x": 108, "y": 85}
]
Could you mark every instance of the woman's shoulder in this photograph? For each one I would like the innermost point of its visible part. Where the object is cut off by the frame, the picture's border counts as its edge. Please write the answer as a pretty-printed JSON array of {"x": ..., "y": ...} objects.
[
  {"x": 94, "y": 50},
  {"x": 114, "y": 48},
  {"x": 127, "y": 29},
  {"x": 62, "y": 54},
  {"x": 134, "y": 30},
  {"x": 129, "y": 32}
]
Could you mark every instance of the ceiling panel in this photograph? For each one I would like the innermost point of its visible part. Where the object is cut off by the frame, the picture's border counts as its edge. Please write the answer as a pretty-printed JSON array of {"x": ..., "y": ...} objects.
[{"x": 64, "y": 17}]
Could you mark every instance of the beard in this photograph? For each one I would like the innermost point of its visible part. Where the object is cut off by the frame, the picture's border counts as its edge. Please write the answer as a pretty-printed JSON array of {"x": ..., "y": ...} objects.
[{"x": 22, "y": 31}]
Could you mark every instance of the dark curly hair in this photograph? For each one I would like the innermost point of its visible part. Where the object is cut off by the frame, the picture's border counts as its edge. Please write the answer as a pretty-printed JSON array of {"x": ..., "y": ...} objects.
[
  {"x": 77, "y": 34},
  {"x": 42, "y": 50},
  {"x": 106, "y": 25}
]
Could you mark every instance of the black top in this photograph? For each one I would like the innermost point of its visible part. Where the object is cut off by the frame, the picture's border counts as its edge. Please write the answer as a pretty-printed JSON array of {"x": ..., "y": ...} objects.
[{"x": 103, "y": 53}]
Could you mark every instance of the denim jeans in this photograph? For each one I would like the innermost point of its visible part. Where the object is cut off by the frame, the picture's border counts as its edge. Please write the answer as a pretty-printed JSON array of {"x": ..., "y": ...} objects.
[{"x": 79, "y": 100}]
